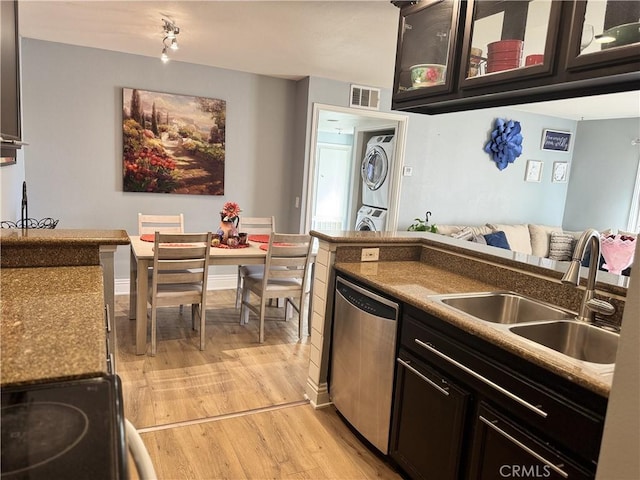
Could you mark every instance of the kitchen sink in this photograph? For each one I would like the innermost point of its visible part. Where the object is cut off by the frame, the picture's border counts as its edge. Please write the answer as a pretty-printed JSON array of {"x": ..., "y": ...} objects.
[
  {"x": 575, "y": 339},
  {"x": 504, "y": 307}
]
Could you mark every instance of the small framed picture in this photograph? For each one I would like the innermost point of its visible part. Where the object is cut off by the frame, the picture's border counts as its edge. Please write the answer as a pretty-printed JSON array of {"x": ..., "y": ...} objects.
[
  {"x": 556, "y": 140},
  {"x": 534, "y": 171},
  {"x": 560, "y": 172}
]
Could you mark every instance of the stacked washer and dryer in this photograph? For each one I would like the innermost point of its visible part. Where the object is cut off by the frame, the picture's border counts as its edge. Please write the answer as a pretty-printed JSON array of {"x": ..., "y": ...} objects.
[{"x": 376, "y": 172}]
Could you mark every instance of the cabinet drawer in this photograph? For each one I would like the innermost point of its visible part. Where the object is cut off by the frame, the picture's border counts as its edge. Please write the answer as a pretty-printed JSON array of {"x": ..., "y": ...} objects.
[
  {"x": 503, "y": 450},
  {"x": 555, "y": 418}
]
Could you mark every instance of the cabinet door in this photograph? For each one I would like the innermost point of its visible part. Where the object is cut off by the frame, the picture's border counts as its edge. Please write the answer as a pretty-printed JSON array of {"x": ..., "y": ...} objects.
[
  {"x": 502, "y": 450},
  {"x": 427, "y": 40},
  {"x": 604, "y": 33},
  {"x": 508, "y": 41},
  {"x": 428, "y": 422}
]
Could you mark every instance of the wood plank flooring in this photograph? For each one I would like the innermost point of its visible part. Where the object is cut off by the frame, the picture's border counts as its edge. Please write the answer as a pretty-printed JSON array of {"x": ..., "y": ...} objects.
[{"x": 237, "y": 409}]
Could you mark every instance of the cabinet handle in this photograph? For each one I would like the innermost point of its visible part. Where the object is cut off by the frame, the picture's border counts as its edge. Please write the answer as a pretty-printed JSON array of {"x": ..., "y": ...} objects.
[
  {"x": 430, "y": 382},
  {"x": 110, "y": 369},
  {"x": 107, "y": 317},
  {"x": 502, "y": 390},
  {"x": 523, "y": 446}
]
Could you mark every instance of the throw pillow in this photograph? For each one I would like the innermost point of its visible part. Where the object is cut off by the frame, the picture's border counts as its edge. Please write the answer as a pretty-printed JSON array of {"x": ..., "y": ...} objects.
[
  {"x": 479, "y": 239},
  {"x": 561, "y": 246},
  {"x": 465, "y": 234},
  {"x": 497, "y": 239},
  {"x": 517, "y": 236},
  {"x": 540, "y": 238}
]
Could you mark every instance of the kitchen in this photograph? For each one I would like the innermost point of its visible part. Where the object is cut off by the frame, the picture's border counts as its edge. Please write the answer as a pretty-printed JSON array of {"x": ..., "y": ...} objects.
[{"x": 71, "y": 106}]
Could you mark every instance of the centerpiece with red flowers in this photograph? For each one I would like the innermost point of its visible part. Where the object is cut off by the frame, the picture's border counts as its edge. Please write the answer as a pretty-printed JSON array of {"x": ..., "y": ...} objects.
[{"x": 229, "y": 219}]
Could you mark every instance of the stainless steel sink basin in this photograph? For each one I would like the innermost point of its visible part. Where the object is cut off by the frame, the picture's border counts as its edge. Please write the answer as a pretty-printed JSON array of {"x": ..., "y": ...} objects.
[
  {"x": 576, "y": 339},
  {"x": 504, "y": 307}
]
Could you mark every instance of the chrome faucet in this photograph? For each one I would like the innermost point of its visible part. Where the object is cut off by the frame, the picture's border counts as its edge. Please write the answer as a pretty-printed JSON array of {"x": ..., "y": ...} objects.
[{"x": 589, "y": 305}]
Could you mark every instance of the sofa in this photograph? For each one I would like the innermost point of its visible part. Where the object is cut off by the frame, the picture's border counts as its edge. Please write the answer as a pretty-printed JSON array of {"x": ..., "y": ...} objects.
[{"x": 533, "y": 239}]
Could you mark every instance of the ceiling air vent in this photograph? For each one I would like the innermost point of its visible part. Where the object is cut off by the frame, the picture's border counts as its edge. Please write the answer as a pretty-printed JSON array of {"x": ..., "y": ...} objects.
[{"x": 365, "y": 97}]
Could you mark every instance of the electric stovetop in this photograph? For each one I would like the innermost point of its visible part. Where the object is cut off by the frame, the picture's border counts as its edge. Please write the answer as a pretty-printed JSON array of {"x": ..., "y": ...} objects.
[{"x": 63, "y": 430}]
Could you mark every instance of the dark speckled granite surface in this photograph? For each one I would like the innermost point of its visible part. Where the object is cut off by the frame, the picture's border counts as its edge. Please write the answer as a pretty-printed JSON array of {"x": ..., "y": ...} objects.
[
  {"x": 52, "y": 322},
  {"x": 48, "y": 248}
]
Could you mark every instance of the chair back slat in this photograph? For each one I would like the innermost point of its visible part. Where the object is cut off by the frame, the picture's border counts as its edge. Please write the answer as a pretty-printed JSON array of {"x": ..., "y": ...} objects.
[
  {"x": 288, "y": 257},
  {"x": 160, "y": 223},
  {"x": 176, "y": 264},
  {"x": 257, "y": 225}
]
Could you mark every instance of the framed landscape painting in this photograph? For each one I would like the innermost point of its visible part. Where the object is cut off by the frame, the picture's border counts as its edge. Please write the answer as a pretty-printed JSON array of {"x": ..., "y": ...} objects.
[{"x": 172, "y": 143}]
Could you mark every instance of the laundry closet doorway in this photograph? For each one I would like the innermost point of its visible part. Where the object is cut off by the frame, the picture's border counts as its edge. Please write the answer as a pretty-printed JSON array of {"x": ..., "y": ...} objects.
[{"x": 339, "y": 142}]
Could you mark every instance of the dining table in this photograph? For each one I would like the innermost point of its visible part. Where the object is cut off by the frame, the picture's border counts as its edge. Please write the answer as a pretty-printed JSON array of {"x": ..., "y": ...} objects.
[{"x": 142, "y": 259}]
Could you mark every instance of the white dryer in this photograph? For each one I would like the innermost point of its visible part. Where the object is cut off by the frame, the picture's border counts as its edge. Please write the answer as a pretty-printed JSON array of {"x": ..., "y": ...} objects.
[
  {"x": 376, "y": 171},
  {"x": 371, "y": 219}
]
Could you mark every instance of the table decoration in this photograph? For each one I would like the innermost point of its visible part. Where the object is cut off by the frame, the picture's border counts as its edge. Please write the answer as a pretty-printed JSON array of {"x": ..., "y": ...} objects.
[{"x": 229, "y": 220}]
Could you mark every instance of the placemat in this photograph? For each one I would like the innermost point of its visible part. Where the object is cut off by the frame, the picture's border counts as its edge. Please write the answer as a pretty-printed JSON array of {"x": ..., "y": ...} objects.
[
  {"x": 148, "y": 237},
  {"x": 259, "y": 238},
  {"x": 277, "y": 244}
]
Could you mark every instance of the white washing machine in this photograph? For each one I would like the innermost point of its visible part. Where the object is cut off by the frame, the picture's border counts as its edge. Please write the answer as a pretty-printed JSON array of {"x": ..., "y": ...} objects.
[
  {"x": 371, "y": 219},
  {"x": 376, "y": 171}
]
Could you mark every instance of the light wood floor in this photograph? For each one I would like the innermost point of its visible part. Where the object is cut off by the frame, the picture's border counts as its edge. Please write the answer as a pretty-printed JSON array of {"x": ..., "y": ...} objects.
[{"x": 237, "y": 409}]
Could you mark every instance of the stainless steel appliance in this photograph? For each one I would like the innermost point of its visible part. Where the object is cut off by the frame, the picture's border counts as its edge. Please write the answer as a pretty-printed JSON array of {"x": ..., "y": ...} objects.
[
  {"x": 362, "y": 360},
  {"x": 65, "y": 429}
]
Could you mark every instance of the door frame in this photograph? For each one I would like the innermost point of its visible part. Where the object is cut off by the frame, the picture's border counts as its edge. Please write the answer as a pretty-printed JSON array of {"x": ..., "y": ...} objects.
[{"x": 397, "y": 121}]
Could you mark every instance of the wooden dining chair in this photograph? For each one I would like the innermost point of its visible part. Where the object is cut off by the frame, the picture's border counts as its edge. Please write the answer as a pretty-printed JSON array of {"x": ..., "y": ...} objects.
[
  {"x": 149, "y": 224},
  {"x": 180, "y": 269},
  {"x": 285, "y": 275},
  {"x": 252, "y": 226}
]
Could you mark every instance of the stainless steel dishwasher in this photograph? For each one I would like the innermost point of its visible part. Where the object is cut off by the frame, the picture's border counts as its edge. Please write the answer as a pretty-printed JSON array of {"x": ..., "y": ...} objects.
[{"x": 362, "y": 360}]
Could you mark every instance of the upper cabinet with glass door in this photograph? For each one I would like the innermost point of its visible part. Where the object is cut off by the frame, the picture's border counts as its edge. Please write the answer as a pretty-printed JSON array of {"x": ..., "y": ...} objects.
[
  {"x": 467, "y": 54},
  {"x": 604, "y": 33},
  {"x": 427, "y": 39},
  {"x": 509, "y": 40}
]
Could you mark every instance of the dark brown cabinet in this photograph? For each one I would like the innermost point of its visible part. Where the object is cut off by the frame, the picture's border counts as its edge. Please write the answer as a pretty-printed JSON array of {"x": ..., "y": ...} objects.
[
  {"x": 506, "y": 52},
  {"x": 466, "y": 409},
  {"x": 10, "y": 121},
  {"x": 438, "y": 453}
]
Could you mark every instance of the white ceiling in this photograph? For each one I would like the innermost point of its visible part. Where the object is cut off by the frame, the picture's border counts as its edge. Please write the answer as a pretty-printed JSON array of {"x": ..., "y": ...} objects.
[{"x": 350, "y": 41}]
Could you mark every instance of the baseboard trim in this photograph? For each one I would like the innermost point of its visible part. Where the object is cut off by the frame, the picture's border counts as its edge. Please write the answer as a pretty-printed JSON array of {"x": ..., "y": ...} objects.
[{"x": 214, "y": 282}]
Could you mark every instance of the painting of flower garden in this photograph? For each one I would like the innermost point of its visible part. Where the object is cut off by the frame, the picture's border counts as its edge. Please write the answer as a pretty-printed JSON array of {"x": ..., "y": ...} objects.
[{"x": 173, "y": 143}]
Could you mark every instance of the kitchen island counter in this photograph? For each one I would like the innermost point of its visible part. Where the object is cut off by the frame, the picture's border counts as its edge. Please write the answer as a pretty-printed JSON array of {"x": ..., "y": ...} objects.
[{"x": 53, "y": 324}]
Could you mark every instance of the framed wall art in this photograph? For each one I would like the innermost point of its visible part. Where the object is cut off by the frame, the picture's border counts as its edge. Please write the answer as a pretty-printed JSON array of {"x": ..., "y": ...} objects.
[
  {"x": 172, "y": 143},
  {"x": 560, "y": 172},
  {"x": 556, "y": 140},
  {"x": 534, "y": 171}
]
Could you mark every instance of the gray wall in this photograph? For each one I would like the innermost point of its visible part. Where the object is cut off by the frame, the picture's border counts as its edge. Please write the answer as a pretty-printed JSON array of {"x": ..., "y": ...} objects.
[
  {"x": 72, "y": 118},
  {"x": 459, "y": 183},
  {"x": 603, "y": 174}
]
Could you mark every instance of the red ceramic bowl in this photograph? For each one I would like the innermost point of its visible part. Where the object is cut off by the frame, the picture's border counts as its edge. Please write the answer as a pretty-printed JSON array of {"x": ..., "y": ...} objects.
[{"x": 533, "y": 60}]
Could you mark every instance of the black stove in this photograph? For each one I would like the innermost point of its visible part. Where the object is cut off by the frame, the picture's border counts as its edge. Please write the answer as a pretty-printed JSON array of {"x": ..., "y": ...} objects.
[{"x": 63, "y": 430}]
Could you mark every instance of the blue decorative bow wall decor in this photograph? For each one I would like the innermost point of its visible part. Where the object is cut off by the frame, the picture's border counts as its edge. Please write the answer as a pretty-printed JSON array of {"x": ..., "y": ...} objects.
[{"x": 505, "y": 144}]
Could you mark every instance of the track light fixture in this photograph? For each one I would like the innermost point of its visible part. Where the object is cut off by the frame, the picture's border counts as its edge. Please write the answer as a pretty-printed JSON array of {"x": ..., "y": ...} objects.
[{"x": 170, "y": 41}]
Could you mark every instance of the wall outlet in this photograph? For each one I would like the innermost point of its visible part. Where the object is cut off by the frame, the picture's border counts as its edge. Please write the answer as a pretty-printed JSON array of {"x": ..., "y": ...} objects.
[{"x": 370, "y": 254}]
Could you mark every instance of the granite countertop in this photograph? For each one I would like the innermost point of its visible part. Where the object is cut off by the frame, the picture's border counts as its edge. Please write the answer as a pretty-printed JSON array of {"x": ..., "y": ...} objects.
[
  {"x": 414, "y": 282},
  {"x": 51, "y": 237},
  {"x": 52, "y": 322}
]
